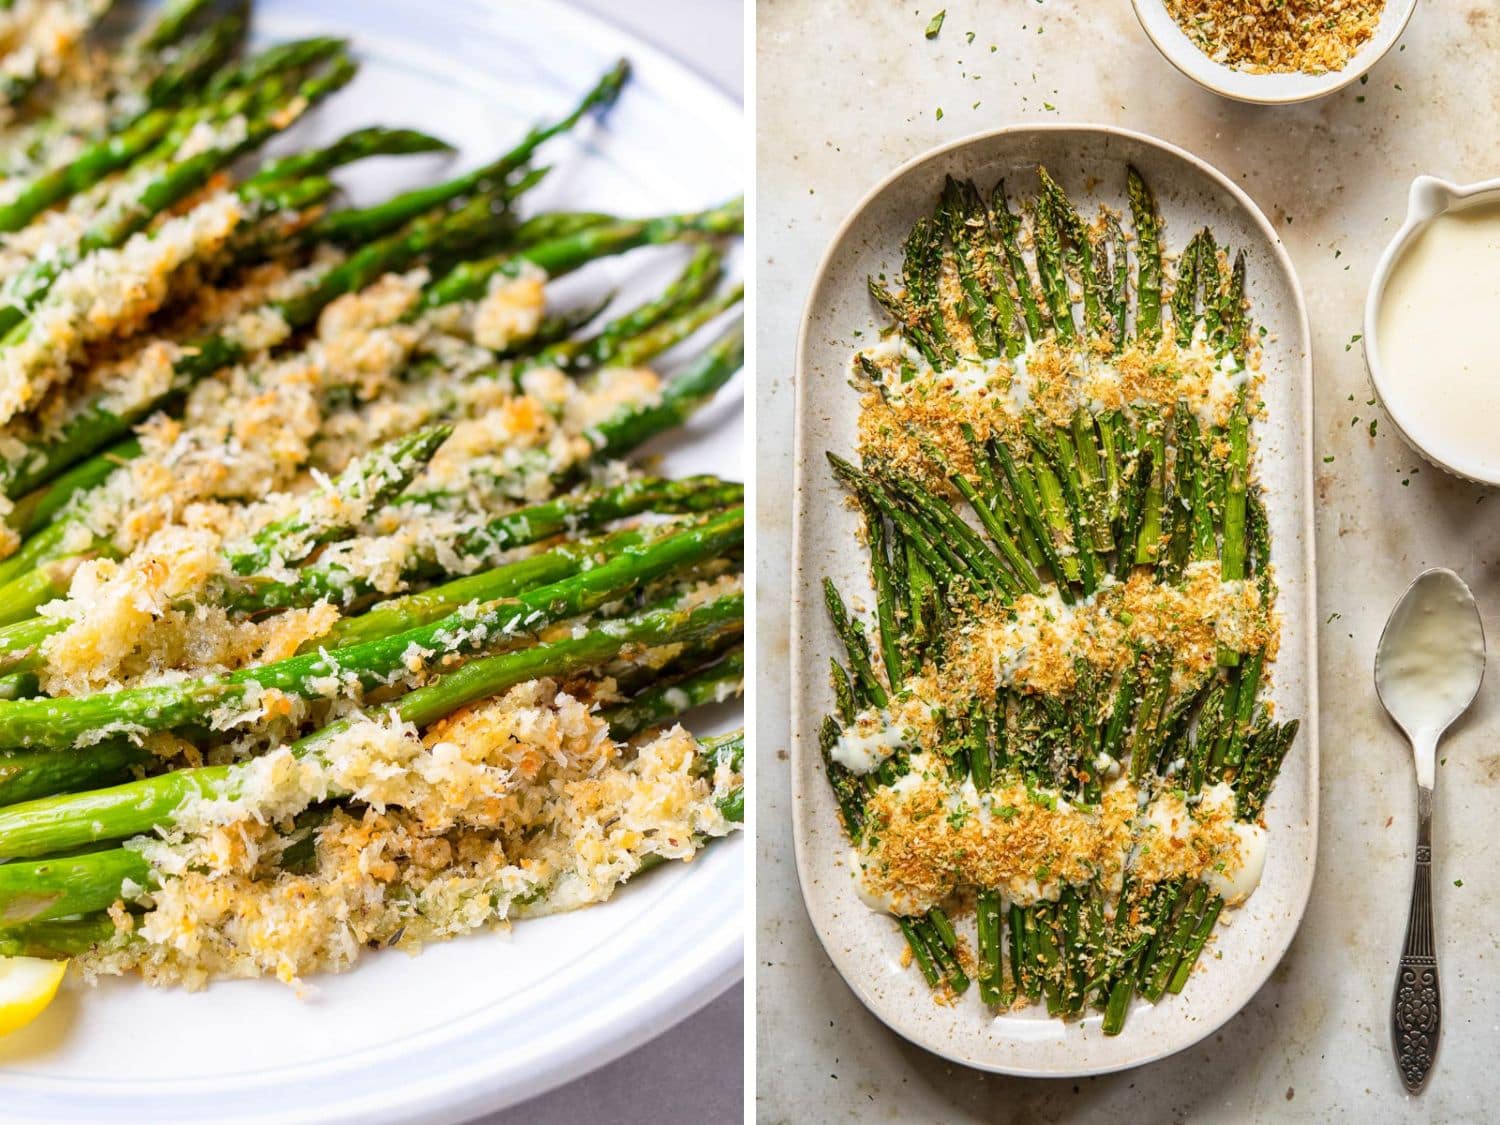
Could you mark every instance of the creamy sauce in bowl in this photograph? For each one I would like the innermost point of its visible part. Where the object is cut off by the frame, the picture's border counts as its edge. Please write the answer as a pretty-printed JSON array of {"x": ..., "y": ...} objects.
[{"x": 1438, "y": 327}]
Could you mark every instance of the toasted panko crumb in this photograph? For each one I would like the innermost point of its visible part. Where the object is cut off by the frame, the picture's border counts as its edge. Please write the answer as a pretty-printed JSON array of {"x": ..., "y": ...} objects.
[
  {"x": 511, "y": 309},
  {"x": 1278, "y": 36},
  {"x": 926, "y": 837},
  {"x": 134, "y": 620},
  {"x": 1038, "y": 642},
  {"x": 916, "y": 408},
  {"x": 517, "y": 806}
]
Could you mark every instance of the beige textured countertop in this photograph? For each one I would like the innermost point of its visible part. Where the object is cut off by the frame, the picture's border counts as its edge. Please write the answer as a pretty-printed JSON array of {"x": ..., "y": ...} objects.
[{"x": 847, "y": 90}]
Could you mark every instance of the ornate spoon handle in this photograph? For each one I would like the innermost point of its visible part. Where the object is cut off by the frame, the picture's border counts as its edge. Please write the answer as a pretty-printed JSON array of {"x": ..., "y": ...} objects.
[{"x": 1416, "y": 1011}]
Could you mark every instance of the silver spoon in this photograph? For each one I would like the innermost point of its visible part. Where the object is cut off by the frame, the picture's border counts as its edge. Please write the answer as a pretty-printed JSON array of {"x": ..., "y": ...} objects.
[{"x": 1427, "y": 671}]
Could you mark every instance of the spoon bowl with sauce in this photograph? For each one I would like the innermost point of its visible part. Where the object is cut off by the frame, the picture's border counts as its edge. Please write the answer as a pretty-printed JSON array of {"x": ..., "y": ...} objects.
[
  {"x": 1428, "y": 668},
  {"x": 1432, "y": 327}
]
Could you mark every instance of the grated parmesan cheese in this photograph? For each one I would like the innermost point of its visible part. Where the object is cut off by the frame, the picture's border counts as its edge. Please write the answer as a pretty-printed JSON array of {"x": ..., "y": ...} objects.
[
  {"x": 108, "y": 293},
  {"x": 518, "y": 806}
]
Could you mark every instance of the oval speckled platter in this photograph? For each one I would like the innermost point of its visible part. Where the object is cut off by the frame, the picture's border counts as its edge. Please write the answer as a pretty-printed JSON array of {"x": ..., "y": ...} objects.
[{"x": 865, "y": 946}]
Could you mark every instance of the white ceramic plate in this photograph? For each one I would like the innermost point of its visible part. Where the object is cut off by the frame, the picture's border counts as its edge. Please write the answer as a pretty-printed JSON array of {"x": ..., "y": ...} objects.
[
  {"x": 485, "y": 1021},
  {"x": 1267, "y": 89},
  {"x": 866, "y": 947}
]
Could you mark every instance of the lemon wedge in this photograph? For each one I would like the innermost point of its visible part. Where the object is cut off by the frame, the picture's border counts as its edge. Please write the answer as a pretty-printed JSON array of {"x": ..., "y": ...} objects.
[{"x": 27, "y": 986}]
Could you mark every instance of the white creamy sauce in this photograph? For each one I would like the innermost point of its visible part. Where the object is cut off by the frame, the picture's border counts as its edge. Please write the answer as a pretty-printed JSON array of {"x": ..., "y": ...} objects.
[
  {"x": 891, "y": 900},
  {"x": 1229, "y": 378},
  {"x": 1218, "y": 796},
  {"x": 972, "y": 377},
  {"x": 1440, "y": 338},
  {"x": 1235, "y": 876},
  {"x": 1238, "y": 871},
  {"x": 1168, "y": 817},
  {"x": 1239, "y": 874},
  {"x": 1038, "y": 619},
  {"x": 864, "y": 753},
  {"x": 1432, "y": 654},
  {"x": 1020, "y": 382}
]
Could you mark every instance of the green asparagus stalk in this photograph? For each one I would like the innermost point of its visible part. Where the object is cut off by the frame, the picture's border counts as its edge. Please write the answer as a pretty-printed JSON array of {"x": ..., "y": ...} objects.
[
  {"x": 370, "y": 482},
  {"x": 37, "y": 509},
  {"x": 26, "y": 775},
  {"x": 410, "y": 610},
  {"x": 645, "y": 346},
  {"x": 470, "y": 280},
  {"x": 23, "y": 595},
  {"x": 517, "y": 528},
  {"x": 172, "y": 23},
  {"x": 1148, "y": 258},
  {"x": 697, "y": 280},
  {"x": 56, "y": 940},
  {"x": 356, "y": 228},
  {"x": 667, "y": 701},
  {"x": 197, "y": 59},
  {"x": 680, "y": 398},
  {"x": 60, "y": 723},
  {"x": 59, "y": 823},
  {"x": 361, "y": 144}
]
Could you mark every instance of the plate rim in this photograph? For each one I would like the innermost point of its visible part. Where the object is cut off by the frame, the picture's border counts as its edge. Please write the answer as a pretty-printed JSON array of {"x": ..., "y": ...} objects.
[{"x": 1272, "y": 958}]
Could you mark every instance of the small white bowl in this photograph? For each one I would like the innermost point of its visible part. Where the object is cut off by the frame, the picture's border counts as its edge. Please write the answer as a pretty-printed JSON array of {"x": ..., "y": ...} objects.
[
  {"x": 1267, "y": 89},
  {"x": 1429, "y": 197}
]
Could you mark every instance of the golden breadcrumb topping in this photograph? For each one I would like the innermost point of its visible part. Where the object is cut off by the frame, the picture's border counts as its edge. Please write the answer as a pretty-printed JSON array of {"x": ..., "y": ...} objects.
[
  {"x": 927, "y": 837},
  {"x": 1177, "y": 842},
  {"x": 107, "y": 294},
  {"x": 517, "y": 806},
  {"x": 137, "y": 619},
  {"x": 41, "y": 38},
  {"x": 1278, "y": 36},
  {"x": 511, "y": 308},
  {"x": 1038, "y": 642},
  {"x": 1048, "y": 381}
]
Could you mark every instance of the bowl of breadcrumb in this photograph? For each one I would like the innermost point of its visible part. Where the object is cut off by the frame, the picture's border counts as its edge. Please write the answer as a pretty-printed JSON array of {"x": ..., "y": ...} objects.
[{"x": 1274, "y": 51}]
